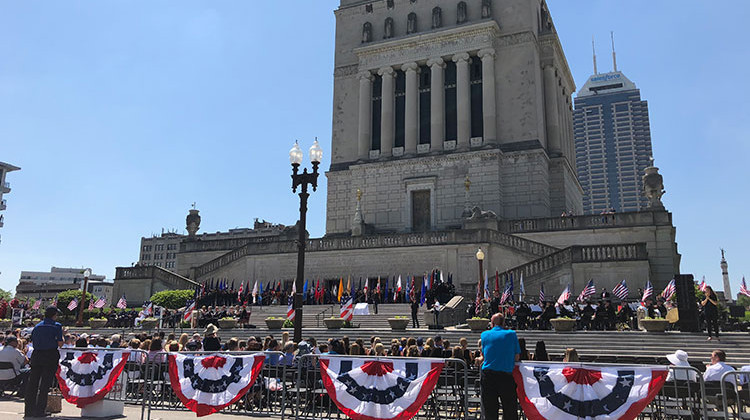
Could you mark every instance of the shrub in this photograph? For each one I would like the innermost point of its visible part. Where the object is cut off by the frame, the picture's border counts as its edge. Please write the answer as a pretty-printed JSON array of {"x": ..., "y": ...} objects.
[
  {"x": 184, "y": 324},
  {"x": 64, "y": 298},
  {"x": 172, "y": 299},
  {"x": 288, "y": 324}
]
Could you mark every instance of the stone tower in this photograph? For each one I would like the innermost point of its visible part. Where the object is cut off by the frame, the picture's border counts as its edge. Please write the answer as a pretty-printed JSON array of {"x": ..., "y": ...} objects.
[
  {"x": 725, "y": 276},
  {"x": 428, "y": 93}
]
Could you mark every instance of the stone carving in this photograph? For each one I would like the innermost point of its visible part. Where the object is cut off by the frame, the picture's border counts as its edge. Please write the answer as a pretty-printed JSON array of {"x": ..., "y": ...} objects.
[
  {"x": 411, "y": 24},
  {"x": 368, "y": 8},
  {"x": 389, "y": 3},
  {"x": 479, "y": 214},
  {"x": 546, "y": 19},
  {"x": 437, "y": 18},
  {"x": 461, "y": 13},
  {"x": 193, "y": 222},
  {"x": 367, "y": 32},
  {"x": 653, "y": 188},
  {"x": 388, "y": 29},
  {"x": 486, "y": 9}
]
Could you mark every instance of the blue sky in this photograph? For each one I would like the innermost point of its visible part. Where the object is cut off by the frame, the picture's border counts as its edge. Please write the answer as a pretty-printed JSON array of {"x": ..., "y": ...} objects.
[{"x": 122, "y": 114}]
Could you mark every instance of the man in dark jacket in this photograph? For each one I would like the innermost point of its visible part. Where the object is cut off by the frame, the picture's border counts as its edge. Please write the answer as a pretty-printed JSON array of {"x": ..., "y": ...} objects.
[{"x": 415, "y": 314}]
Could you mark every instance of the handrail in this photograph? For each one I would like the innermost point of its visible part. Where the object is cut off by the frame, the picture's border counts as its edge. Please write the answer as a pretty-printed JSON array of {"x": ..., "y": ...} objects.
[{"x": 317, "y": 316}]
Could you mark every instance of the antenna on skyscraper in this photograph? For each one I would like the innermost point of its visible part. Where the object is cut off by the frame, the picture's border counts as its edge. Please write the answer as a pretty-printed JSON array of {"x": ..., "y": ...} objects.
[
  {"x": 593, "y": 48},
  {"x": 614, "y": 55}
]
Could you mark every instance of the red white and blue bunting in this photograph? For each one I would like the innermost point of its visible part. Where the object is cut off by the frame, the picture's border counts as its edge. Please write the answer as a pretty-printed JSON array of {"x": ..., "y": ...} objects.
[
  {"x": 370, "y": 389},
  {"x": 207, "y": 383},
  {"x": 576, "y": 391},
  {"x": 86, "y": 377}
]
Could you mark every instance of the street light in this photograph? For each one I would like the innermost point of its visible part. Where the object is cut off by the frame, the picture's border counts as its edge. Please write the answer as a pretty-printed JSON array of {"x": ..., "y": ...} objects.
[
  {"x": 86, "y": 275},
  {"x": 302, "y": 180},
  {"x": 480, "y": 258}
]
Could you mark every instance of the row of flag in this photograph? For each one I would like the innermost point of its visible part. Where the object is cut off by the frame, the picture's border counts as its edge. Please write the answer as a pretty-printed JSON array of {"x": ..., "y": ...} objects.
[{"x": 743, "y": 286}]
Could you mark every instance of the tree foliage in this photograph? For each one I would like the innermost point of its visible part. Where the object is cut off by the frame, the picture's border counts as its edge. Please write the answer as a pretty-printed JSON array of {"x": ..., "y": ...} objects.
[
  {"x": 172, "y": 299},
  {"x": 64, "y": 298},
  {"x": 4, "y": 294},
  {"x": 744, "y": 301}
]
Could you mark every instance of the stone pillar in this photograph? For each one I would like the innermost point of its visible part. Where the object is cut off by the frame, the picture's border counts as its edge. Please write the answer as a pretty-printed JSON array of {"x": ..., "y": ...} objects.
[
  {"x": 550, "y": 108},
  {"x": 463, "y": 103},
  {"x": 437, "y": 103},
  {"x": 365, "y": 114},
  {"x": 489, "y": 104},
  {"x": 412, "y": 107},
  {"x": 387, "y": 130}
]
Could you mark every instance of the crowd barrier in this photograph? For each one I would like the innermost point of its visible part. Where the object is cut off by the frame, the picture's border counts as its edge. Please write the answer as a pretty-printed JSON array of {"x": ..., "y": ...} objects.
[{"x": 298, "y": 392}]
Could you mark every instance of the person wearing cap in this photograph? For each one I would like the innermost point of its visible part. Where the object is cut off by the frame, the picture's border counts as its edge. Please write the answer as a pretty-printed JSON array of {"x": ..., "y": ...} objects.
[
  {"x": 210, "y": 341},
  {"x": 680, "y": 360},
  {"x": 501, "y": 351},
  {"x": 11, "y": 354},
  {"x": 47, "y": 338}
]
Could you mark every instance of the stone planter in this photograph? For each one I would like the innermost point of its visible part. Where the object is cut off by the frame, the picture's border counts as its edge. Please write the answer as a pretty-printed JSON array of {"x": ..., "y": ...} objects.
[
  {"x": 97, "y": 323},
  {"x": 149, "y": 324},
  {"x": 334, "y": 323},
  {"x": 563, "y": 324},
  {"x": 478, "y": 324},
  {"x": 6, "y": 325},
  {"x": 398, "y": 324},
  {"x": 655, "y": 325},
  {"x": 227, "y": 324},
  {"x": 274, "y": 324}
]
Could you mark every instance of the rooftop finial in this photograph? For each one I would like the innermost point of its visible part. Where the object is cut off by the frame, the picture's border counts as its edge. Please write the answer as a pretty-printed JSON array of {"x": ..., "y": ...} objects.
[
  {"x": 593, "y": 48},
  {"x": 614, "y": 54}
]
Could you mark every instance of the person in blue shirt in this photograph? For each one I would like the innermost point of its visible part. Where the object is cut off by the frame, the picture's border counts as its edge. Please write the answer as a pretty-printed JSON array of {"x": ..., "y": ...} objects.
[
  {"x": 47, "y": 338},
  {"x": 501, "y": 352}
]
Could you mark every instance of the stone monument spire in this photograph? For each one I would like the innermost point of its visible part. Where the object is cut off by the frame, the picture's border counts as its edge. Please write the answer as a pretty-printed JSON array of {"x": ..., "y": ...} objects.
[{"x": 725, "y": 275}]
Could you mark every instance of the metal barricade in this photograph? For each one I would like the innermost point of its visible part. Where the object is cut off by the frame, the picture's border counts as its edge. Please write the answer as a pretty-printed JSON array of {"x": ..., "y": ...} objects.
[
  {"x": 448, "y": 400},
  {"x": 735, "y": 402},
  {"x": 267, "y": 396},
  {"x": 681, "y": 397}
]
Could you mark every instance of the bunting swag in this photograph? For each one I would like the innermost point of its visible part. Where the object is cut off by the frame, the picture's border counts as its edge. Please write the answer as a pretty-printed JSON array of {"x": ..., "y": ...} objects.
[
  {"x": 371, "y": 389},
  {"x": 207, "y": 383},
  {"x": 575, "y": 391},
  {"x": 86, "y": 377}
]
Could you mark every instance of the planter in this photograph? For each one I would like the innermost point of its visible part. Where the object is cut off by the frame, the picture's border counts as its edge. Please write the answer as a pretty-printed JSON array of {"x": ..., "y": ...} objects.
[
  {"x": 227, "y": 324},
  {"x": 274, "y": 324},
  {"x": 6, "y": 325},
  {"x": 478, "y": 324},
  {"x": 655, "y": 325},
  {"x": 149, "y": 324},
  {"x": 97, "y": 323},
  {"x": 334, "y": 323},
  {"x": 398, "y": 324},
  {"x": 563, "y": 324}
]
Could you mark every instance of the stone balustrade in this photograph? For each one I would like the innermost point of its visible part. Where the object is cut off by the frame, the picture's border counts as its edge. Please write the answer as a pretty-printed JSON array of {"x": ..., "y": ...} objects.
[
  {"x": 153, "y": 272},
  {"x": 631, "y": 219}
]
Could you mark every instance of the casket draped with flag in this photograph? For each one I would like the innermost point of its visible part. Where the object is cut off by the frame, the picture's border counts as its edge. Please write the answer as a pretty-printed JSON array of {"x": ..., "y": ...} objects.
[
  {"x": 207, "y": 383},
  {"x": 579, "y": 391},
  {"x": 86, "y": 377},
  {"x": 375, "y": 389}
]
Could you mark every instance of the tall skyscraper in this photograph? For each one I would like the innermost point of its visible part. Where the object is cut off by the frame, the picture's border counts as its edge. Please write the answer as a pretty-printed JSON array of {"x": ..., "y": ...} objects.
[{"x": 613, "y": 142}]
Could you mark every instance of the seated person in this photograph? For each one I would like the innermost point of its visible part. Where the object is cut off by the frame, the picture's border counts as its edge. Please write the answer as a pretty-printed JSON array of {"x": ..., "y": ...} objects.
[
  {"x": 717, "y": 367},
  {"x": 11, "y": 354},
  {"x": 680, "y": 360}
]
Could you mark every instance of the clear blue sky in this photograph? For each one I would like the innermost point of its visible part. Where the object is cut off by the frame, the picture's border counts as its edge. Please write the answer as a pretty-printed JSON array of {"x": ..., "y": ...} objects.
[{"x": 123, "y": 113}]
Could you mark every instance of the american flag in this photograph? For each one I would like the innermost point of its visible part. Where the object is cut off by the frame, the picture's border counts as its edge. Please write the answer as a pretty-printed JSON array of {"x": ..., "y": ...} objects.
[
  {"x": 507, "y": 292},
  {"x": 347, "y": 309},
  {"x": 100, "y": 303},
  {"x": 621, "y": 290},
  {"x": 541, "y": 294},
  {"x": 669, "y": 291},
  {"x": 743, "y": 288},
  {"x": 54, "y": 302},
  {"x": 37, "y": 304},
  {"x": 73, "y": 304},
  {"x": 122, "y": 303},
  {"x": 588, "y": 291},
  {"x": 188, "y": 311},
  {"x": 647, "y": 292},
  {"x": 91, "y": 303},
  {"x": 290, "y": 308},
  {"x": 239, "y": 292},
  {"x": 149, "y": 309},
  {"x": 564, "y": 296},
  {"x": 702, "y": 285}
]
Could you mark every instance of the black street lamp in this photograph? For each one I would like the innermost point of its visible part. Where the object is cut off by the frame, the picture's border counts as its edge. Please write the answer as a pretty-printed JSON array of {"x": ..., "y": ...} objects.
[{"x": 302, "y": 180}]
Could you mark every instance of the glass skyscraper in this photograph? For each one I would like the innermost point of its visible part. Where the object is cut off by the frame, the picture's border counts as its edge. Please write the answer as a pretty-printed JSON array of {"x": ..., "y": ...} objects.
[{"x": 613, "y": 143}]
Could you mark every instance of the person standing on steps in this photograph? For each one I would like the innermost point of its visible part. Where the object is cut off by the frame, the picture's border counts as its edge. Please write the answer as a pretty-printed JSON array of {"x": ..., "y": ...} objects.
[
  {"x": 47, "y": 337},
  {"x": 414, "y": 314},
  {"x": 711, "y": 312},
  {"x": 501, "y": 351}
]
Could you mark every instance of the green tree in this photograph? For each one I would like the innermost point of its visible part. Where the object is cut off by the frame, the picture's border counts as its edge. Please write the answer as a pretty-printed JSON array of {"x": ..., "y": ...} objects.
[
  {"x": 64, "y": 298},
  {"x": 4, "y": 294},
  {"x": 172, "y": 299},
  {"x": 744, "y": 301}
]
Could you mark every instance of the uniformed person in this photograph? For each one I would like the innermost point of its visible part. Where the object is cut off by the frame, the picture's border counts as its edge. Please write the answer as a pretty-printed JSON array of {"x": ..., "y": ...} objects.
[{"x": 47, "y": 338}]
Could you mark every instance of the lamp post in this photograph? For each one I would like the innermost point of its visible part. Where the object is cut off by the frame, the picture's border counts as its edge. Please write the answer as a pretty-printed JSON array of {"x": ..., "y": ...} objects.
[
  {"x": 302, "y": 180},
  {"x": 480, "y": 258},
  {"x": 86, "y": 274}
]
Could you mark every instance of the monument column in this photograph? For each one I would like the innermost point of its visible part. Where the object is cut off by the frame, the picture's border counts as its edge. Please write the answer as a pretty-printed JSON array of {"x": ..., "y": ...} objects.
[
  {"x": 463, "y": 104},
  {"x": 412, "y": 104},
  {"x": 489, "y": 104},
  {"x": 550, "y": 108},
  {"x": 387, "y": 130},
  {"x": 725, "y": 277},
  {"x": 365, "y": 114},
  {"x": 437, "y": 103}
]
